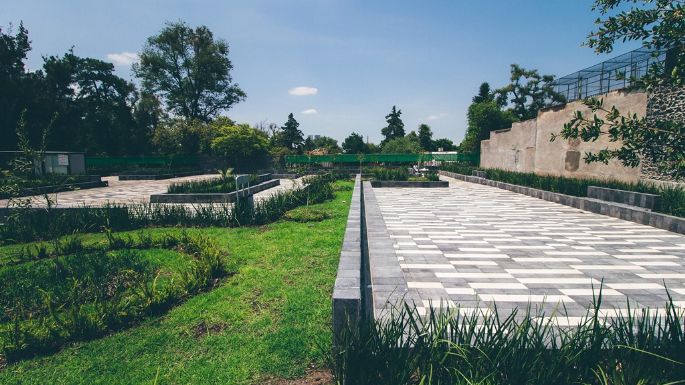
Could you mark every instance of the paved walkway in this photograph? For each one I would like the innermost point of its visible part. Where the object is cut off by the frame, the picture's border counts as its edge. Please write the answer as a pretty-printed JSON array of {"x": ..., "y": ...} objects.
[
  {"x": 470, "y": 245},
  {"x": 135, "y": 191}
]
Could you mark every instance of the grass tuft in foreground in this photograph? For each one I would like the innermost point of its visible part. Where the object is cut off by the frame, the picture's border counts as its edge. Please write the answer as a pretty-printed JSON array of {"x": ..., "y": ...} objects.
[{"x": 457, "y": 347}]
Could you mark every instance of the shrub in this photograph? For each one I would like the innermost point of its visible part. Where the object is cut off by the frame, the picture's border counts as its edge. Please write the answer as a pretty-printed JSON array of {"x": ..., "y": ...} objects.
[
  {"x": 383, "y": 173},
  {"x": 306, "y": 214}
]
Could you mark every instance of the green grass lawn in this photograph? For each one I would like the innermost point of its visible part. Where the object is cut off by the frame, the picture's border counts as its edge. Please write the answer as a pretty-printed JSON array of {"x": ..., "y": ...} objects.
[{"x": 270, "y": 319}]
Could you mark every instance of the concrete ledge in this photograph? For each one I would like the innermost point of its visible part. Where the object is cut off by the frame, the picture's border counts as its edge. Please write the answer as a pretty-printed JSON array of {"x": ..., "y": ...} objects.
[
  {"x": 409, "y": 183},
  {"x": 648, "y": 201},
  {"x": 612, "y": 209},
  {"x": 386, "y": 282},
  {"x": 347, "y": 292},
  {"x": 66, "y": 187},
  {"x": 160, "y": 176},
  {"x": 213, "y": 197}
]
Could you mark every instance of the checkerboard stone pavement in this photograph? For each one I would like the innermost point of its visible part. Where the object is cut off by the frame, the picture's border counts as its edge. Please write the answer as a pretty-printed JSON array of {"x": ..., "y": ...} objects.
[
  {"x": 134, "y": 191},
  {"x": 470, "y": 245}
]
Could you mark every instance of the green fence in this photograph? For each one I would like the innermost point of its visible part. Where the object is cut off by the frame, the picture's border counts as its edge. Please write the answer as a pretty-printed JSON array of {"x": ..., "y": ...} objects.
[
  {"x": 381, "y": 158},
  {"x": 110, "y": 161}
]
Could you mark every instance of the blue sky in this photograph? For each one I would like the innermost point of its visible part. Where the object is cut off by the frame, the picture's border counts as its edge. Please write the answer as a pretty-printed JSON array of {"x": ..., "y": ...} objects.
[{"x": 362, "y": 57}]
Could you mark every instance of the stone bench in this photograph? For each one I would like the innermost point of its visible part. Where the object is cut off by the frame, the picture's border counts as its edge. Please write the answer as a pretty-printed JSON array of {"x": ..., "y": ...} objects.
[{"x": 631, "y": 198}]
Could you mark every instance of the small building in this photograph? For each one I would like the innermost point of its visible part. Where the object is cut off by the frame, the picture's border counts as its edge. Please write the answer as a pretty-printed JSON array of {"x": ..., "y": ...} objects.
[{"x": 54, "y": 162}]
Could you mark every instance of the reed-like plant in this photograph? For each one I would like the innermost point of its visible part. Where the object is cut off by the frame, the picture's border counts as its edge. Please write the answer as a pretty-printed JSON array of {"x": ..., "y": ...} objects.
[
  {"x": 451, "y": 346},
  {"x": 48, "y": 303},
  {"x": 29, "y": 224}
]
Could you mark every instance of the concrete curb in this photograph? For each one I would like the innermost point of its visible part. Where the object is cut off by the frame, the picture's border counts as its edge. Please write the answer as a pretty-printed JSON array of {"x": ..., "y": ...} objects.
[
  {"x": 408, "y": 183},
  {"x": 616, "y": 210}
]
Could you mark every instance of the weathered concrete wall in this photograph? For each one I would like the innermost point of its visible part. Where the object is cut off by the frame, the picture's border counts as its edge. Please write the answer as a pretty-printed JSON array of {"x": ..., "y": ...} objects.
[
  {"x": 526, "y": 147},
  {"x": 511, "y": 149},
  {"x": 565, "y": 157}
]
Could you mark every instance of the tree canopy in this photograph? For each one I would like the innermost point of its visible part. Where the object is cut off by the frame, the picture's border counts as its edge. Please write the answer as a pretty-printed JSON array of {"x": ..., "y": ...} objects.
[
  {"x": 484, "y": 115},
  {"x": 527, "y": 93},
  {"x": 243, "y": 147},
  {"x": 404, "y": 145},
  {"x": 354, "y": 144},
  {"x": 290, "y": 136},
  {"x": 395, "y": 127},
  {"x": 189, "y": 70},
  {"x": 426, "y": 138}
]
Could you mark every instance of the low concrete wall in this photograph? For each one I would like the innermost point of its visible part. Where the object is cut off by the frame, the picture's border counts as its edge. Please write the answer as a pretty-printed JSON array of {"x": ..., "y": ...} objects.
[
  {"x": 213, "y": 197},
  {"x": 347, "y": 292},
  {"x": 648, "y": 201},
  {"x": 408, "y": 183},
  {"x": 160, "y": 176},
  {"x": 95, "y": 182},
  {"x": 616, "y": 210},
  {"x": 526, "y": 146}
]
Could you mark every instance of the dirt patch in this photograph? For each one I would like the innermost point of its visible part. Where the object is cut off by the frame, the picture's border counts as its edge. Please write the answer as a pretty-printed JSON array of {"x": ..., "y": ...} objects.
[
  {"x": 313, "y": 377},
  {"x": 203, "y": 328},
  {"x": 3, "y": 363}
]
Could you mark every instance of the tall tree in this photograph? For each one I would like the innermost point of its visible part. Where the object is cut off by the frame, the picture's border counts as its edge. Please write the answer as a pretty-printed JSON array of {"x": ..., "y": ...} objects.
[
  {"x": 290, "y": 135},
  {"x": 404, "y": 145},
  {"x": 484, "y": 94},
  {"x": 395, "y": 127},
  {"x": 322, "y": 142},
  {"x": 426, "y": 138},
  {"x": 190, "y": 70},
  {"x": 354, "y": 144},
  {"x": 660, "y": 26},
  {"x": 483, "y": 118},
  {"x": 528, "y": 93},
  {"x": 444, "y": 144}
]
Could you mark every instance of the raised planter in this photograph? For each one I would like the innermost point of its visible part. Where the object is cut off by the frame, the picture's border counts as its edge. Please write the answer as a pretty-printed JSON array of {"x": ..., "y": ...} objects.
[
  {"x": 95, "y": 182},
  {"x": 409, "y": 183},
  {"x": 648, "y": 201},
  {"x": 617, "y": 210},
  {"x": 214, "y": 197}
]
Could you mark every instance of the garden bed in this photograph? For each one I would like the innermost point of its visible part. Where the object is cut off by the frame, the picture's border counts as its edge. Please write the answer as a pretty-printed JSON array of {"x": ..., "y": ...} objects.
[
  {"x": 213, "y": 197},
  {"x": 55, "y": 184},
  {"x": 269, "y": 321}
]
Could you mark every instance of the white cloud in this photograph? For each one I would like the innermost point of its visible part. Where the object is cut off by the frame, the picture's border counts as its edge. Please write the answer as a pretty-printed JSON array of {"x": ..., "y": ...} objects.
[
  {"x": 311, "y": 111},
  {"x": 123, "y": 58},
  {"x": 303, "y": 91},
  {"x": 436, "y": 116}
]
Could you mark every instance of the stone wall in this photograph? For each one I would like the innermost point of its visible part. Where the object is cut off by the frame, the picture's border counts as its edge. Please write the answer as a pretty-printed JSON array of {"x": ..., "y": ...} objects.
[
  {"x": 664, "y": 103},
  {"x": 511, "y": 149},
  {"x": 526, "y": 147}
]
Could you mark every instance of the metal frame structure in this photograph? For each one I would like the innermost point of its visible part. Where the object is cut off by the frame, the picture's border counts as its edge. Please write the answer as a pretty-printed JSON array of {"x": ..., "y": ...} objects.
[{"x": 606, "y": 76}]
